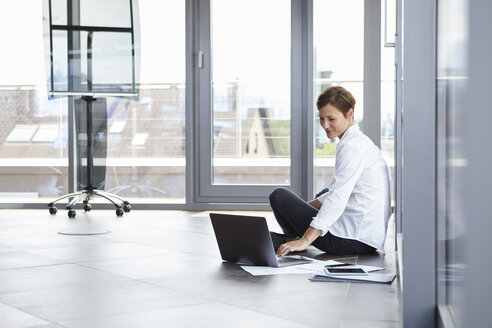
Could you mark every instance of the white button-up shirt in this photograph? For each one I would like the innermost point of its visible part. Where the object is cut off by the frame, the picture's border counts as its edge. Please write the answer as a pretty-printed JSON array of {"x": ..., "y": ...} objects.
[{"x": 357, "y": 205}]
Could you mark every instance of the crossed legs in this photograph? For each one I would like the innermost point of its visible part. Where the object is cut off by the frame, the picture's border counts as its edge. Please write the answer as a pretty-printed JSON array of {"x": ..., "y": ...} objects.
[{"x": 294, "y": 216}]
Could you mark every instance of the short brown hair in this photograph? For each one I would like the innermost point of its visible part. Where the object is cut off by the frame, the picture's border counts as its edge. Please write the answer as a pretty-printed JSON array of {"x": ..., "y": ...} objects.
[{"x": 338, "y": 97}]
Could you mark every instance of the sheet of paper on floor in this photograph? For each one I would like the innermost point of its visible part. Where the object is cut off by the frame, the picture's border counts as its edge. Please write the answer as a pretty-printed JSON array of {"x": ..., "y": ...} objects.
[{"x": 308, "y": 268}]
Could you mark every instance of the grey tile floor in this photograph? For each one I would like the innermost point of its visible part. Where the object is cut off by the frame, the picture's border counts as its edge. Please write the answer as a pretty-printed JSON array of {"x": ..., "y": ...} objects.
[{"x": 163, "y": 269}]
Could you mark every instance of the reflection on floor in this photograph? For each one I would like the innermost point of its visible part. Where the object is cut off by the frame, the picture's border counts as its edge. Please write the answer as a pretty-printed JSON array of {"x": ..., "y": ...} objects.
[{"x": 163, "y": 269}]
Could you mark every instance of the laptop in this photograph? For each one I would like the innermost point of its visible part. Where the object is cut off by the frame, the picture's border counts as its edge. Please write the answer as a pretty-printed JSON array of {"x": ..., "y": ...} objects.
[{"x": 246, "y": 240}]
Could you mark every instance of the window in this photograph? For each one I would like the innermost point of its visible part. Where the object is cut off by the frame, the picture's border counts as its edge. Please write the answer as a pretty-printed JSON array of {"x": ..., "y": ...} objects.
[
  {"x": 452, "y": 70},
  {"x": 250, "y": 112},
  {"x": 145, "y": 143},
  {"x": 250, "y": 99},
  {"x": 33, "y": 130},
  {"x": 251, "y": 91},
  {"x": 339, "y": 60},
  {"x": 146, "y": 140},
  {"x": 388, "y": 88}
]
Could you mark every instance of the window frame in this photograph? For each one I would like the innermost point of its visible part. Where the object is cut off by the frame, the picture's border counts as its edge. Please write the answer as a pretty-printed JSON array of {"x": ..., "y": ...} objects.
[{"x": 204, "y": 190}]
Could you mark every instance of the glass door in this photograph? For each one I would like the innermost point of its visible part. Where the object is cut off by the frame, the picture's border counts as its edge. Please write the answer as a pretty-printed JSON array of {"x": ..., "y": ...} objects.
[{"x": 249, "y": 111}]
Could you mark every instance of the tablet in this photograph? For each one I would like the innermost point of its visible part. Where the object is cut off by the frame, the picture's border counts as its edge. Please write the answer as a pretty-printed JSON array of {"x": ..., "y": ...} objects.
[{"x": 345, "y": 271}]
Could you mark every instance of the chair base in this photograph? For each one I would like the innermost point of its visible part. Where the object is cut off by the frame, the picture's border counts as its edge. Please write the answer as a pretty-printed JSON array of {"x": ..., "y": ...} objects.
[{"x": 85, "y": 196}]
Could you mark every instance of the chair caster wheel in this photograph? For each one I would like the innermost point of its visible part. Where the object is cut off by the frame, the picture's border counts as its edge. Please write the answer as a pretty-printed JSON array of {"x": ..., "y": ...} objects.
[
  {"x": 87, "y": 207},
  {"x": 127, "y": 208},
  {"x": 119, "y": 212},
  {"x": 53, "y": 210},
  {"x": 71, "y": 214}
]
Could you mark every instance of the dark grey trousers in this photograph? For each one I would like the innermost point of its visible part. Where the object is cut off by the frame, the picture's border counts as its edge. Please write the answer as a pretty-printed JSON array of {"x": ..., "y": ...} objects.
[{"x": 294, "y": 215}]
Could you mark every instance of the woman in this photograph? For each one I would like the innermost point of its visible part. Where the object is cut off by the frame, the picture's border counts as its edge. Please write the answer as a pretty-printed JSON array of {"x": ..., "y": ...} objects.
[{"x": 351, "y": 217}]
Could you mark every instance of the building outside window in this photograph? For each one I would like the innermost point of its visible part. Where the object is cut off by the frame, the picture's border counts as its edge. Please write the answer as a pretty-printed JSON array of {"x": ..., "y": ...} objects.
[{"x": 145, "y": 140}]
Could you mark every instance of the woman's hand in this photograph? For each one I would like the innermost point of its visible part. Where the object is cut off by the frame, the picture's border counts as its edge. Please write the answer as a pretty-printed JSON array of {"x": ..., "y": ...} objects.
[
  {"x": 300, "y": 244},
  {"x": 292, "y": 246},
  {"x": 315, "y": 203}
]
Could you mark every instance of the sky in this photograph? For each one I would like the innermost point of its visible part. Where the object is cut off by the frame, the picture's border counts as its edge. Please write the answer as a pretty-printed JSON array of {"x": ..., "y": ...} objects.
[
  {"x": 162, "y": 53},
  {"x": 251, "y": 43}
]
